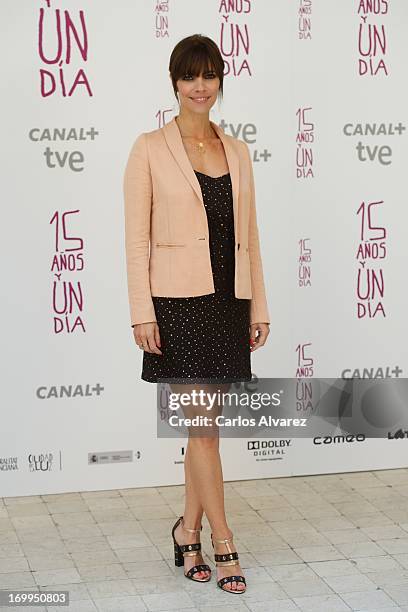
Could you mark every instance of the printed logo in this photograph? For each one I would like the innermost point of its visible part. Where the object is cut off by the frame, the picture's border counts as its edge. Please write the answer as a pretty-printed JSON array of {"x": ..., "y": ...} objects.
[
  {"x": 8, "y": 464},
  {"x": 400, "y": 434},
  {"x": 42, "y": 462},
  {"x": 113, "y": 457},
  {"x": 349, "y": 438},
  {"x": 378, "y": 372},
  {"x": 268, "y": 448}
]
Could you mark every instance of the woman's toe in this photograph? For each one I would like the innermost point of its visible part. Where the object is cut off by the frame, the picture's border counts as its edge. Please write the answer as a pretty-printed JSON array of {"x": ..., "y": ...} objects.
[{"x": 236, "y": 586}]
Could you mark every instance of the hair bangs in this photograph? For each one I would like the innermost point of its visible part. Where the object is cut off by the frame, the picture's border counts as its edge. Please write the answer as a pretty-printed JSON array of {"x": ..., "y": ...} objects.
[{"x": 195, "y": 61}]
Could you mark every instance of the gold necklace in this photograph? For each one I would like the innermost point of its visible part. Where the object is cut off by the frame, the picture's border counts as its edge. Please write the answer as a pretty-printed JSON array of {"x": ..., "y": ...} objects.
[{"x": 199, "y": 146}]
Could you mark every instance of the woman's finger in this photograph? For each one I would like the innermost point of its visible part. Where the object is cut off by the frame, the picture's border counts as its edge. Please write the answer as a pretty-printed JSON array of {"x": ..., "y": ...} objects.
[{"x": 151, "y": 342}]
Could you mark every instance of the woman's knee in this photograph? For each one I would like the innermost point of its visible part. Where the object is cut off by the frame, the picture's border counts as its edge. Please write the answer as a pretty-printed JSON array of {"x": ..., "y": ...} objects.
[{"x": 203, "y": 441}]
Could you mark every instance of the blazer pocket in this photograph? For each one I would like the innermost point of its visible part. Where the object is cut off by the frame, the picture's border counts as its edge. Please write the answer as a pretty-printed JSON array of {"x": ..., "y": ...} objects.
[{"x": 170, "y": 244}]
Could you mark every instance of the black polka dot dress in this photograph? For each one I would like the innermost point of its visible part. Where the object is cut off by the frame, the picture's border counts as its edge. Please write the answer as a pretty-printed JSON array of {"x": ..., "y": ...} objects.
[{"x": 205, "y": 339}]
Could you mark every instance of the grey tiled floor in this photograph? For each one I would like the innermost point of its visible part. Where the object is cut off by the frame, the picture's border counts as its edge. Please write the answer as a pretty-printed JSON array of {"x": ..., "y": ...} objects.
[{"x": 315, "y": 543}]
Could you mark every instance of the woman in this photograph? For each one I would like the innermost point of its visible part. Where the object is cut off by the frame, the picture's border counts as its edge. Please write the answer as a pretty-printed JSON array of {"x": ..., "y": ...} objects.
[{"x": 195, "y": 280}]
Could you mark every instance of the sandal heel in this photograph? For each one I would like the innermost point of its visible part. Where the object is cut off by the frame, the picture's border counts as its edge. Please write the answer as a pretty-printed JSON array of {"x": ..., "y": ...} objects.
[{"x": 178, "y": 556}]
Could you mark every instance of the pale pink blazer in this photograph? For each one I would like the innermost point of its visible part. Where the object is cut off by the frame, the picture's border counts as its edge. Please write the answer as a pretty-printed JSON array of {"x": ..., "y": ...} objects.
[{"x": 166, "y": 228}]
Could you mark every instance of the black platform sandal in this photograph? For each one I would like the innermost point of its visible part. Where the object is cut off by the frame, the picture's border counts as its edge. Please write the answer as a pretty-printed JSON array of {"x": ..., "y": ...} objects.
[
  {"x": 231, "y": 558},
  {"x": 189, "y": 550}
]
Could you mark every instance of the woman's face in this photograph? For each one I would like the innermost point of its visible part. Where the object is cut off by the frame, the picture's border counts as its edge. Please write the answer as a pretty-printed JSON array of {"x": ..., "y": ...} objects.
[{"x": 198, "y": 93}]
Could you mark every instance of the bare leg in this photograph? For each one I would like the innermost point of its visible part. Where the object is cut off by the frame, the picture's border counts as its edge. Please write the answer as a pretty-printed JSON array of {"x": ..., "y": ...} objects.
[
  {"x": 205, "y": 484},
  {"x": 193, "y": 509},
  {"x": 193, "y": 514}
]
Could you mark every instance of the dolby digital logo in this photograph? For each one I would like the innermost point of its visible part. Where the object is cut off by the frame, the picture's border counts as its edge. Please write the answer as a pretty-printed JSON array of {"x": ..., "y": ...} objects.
[{"x": 273, "y": 449}]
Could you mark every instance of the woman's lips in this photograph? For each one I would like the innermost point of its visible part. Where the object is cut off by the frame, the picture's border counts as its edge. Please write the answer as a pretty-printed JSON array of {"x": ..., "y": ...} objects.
[{"x": 200, "y": 100}]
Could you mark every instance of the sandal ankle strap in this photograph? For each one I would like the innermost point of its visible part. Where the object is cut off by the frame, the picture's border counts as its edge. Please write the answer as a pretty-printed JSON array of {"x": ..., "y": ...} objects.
[
  {"x": 187, "y": 528},
  {"x": 223, "y": 541}
]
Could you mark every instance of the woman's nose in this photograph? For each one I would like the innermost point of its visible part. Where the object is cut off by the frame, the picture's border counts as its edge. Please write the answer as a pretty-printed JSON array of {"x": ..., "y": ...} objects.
[{"x": 200, "y": 84}]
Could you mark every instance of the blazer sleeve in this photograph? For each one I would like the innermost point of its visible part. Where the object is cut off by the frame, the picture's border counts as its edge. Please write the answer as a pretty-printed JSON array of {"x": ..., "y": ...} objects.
[
  {"x": 259, "y": 308},
  {"x": 137, "y": 189}
]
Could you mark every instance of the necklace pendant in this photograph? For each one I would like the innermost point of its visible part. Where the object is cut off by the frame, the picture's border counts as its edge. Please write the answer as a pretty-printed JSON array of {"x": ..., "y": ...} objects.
[{"x": 201, "y": 147}]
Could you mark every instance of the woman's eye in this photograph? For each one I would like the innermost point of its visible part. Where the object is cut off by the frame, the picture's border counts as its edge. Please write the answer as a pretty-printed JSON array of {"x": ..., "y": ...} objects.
[{"x": 208, "y": 75}]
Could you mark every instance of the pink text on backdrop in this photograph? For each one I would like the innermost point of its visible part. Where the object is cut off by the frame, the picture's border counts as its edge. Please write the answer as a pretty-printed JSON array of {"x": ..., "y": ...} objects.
[
  {"x": 63, "y": 47},
  {"x": 304, "y": 20},
  {"x": 304, "y": 369},
  {"x": 372, "y": 38},
  {"x": 304, "y": 140},
  {"x": 68, "y": 259},
  {"x": 371, "y": 249},
  {"x": 305, "y": 268},
  {"x": 234, "y": 37},
  {"x": 162, "y": 19}
]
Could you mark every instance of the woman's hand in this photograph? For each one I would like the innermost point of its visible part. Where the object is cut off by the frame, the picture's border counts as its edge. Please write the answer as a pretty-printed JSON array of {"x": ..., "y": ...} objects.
[
  {"x": 147, "y": 337},
  {"x": 259, "y": 340}
]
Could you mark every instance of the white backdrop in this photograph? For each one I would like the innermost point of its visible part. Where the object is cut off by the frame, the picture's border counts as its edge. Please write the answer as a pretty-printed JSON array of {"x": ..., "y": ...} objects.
[{"x": 75, "y": 413}]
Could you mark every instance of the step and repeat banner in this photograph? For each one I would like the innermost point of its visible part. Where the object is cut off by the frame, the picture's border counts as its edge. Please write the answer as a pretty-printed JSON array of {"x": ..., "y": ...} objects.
[{"x": 318, "y": 90}]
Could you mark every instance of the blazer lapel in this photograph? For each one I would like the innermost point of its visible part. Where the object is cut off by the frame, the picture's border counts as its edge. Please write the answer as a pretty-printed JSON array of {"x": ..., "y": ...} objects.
[{"x": 175, "y": 144}]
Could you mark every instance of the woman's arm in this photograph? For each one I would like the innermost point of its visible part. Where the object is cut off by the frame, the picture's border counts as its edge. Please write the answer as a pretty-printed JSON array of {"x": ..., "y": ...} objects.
[
  {"x": 259, "y": 308},
  {"x": 137, "y": 187}
]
